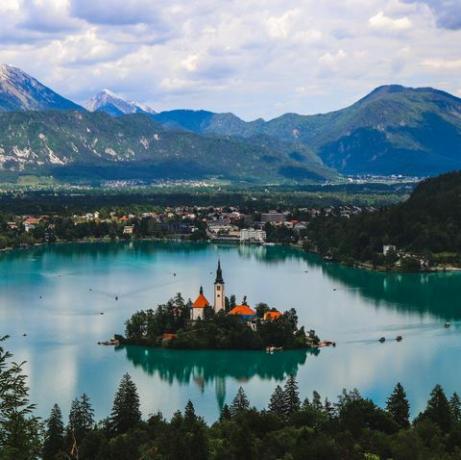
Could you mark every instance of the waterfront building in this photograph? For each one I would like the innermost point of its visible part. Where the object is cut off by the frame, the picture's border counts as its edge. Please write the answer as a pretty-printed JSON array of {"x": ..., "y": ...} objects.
[
  {"x": 199, "y": 306},
  {"x": 387, "y": 248},
  {"x": 251, "y": 235}
]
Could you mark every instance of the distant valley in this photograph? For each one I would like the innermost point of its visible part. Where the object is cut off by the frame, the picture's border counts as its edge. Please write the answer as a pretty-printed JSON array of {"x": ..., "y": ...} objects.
[{"x": 393, "y": 130}]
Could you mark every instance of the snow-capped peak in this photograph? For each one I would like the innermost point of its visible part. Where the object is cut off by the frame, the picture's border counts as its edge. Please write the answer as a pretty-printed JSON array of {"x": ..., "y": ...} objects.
[{"x": 114, "y": 104}]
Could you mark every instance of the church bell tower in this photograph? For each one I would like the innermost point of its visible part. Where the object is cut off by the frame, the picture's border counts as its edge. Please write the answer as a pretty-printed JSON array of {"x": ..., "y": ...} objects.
[{"x": 219, "y": 298}]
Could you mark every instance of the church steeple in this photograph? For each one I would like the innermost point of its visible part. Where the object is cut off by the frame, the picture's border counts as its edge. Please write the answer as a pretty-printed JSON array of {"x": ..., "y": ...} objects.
[
  {"x": 219, "y": 298},
  {"x": 219, "y": 278}
]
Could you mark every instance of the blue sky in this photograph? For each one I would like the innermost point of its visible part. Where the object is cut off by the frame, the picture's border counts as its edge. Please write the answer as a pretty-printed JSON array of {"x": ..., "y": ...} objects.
[{"x": 253, "y": 58}]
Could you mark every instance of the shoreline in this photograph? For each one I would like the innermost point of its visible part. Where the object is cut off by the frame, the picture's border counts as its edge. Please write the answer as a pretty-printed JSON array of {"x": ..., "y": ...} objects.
[{"x": 357, "y": 265}]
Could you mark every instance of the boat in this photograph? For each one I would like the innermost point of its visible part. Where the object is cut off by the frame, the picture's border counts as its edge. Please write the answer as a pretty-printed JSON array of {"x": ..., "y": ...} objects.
[
  {"x": 447, "y": 325},
  {"x": 399, "y": 338},
  {"x": 113, "y": 342},
  {"x": 273, "y": 349},
  {"x": 382, "y": 339}
]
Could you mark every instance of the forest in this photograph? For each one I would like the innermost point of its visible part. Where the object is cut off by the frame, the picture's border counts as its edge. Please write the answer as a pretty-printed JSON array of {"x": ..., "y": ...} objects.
[
  {"x": 289, "y": 427},
  {"x": 427, "y": 226}
]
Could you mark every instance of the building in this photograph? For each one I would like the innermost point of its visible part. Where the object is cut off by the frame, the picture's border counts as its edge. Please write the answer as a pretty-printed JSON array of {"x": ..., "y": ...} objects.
[
  {"x": 199, "y": 306},
  {"x": 219, "y": 296},
  {"x": 251, "y": 235},
  {"x": 273, "y": 217},
  {"x": 128, "y": 229},
  {"x": 271, "y": 315},
  {"x": 387, "y": 248},
  {"x": 243, "y": 311}
]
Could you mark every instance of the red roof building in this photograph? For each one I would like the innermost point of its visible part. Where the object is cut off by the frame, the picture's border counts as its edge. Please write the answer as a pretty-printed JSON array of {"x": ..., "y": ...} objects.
[
  {"x": 243, "y": 310},
  {"x": 271, "y": 315},
  {"x": 198, "y": 307}
]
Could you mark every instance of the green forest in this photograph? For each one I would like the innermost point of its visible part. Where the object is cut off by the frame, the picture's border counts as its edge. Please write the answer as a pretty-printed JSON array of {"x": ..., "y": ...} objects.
[
  {"x": 290, "y": 427},
  {"x": 427, "y": 225}
]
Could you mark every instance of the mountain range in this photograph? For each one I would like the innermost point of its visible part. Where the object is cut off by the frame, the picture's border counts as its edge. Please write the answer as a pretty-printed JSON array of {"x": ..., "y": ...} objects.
[{"x": 392, "y": 130}]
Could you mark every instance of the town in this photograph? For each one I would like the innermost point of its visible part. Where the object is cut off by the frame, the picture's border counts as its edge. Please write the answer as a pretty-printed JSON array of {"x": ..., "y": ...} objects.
[{"x": 220, "y": 224}]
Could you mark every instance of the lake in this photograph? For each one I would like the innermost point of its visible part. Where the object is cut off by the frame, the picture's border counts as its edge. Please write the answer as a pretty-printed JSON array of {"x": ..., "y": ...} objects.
[{"x": 55, "y": 296}]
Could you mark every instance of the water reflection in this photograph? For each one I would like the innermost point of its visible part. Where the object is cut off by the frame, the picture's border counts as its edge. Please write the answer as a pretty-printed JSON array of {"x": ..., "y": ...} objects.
[{"x": 205, "y": 367}]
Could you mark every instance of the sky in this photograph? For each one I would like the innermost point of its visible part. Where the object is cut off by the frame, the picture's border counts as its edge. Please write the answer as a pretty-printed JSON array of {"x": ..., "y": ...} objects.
[{"x": 255, "y": 58}]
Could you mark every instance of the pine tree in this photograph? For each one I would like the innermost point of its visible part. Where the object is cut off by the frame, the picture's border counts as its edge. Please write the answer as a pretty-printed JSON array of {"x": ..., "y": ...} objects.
[
  {"x": 291, "y": 396},
  {"x": 54, "y": 436},
  {"x": 125, "y": 411},
  {"x": 19, "y": 430},
  {"x": 225, "y": 413},
  {"x": 455, "y": 407},
  {"x": 189, "y": 413},
  {"x": 277, "y": 401},
  {"x": 438, "y": 409},
  {"x": 317, "y": 401},
  {"x": 81, "y": 420},
  {"x": 240, "y": 402},
  {"x": 399, "y": 407}
]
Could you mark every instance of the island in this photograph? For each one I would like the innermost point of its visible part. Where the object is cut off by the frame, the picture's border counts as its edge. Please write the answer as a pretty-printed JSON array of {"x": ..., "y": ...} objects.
[{"x": 222, "y": 325}]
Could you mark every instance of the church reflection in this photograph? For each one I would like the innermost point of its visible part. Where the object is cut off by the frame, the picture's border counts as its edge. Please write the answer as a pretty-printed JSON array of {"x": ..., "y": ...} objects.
[{"x": 205, "y": 367}]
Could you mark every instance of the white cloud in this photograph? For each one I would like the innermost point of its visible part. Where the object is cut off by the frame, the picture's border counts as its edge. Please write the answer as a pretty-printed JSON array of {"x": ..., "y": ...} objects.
[
  {"x": 382, "y": 22},
  {"x": 252, "y": 58},
  {"x": 443, "y": 64}
]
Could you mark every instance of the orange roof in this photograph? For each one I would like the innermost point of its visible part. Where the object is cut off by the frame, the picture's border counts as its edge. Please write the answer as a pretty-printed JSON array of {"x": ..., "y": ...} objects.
[
  {"x": 271, "y": 315},
  {"x": 201, "y": 302},
  {"x": 243, "y": 310}
]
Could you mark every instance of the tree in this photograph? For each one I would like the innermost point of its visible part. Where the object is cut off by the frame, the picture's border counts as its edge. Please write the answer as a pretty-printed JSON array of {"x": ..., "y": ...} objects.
[
  {"x": 277, "y": 401},
  {"x": 19, "y": 430},
  {"x": 225, "y": 413},
  {"x": 54, "y": 435},
  {"x": 125, "y": 411},
  {"x": 438, "y": 409},
  {"x": 455, "y": 407},
  {"x": 291, "y": 396},
  {"x": 240, "y": 402},
  {"x": 398, "y": 406},
  {"x": 81, "y": 421}
]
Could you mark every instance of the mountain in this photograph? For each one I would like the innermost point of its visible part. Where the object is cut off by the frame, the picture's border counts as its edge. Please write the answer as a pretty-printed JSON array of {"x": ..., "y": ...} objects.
[
  {"x": 89, "y": 145},
  {"x": 115, "y": 105},
  {"x": 20, "y": 91},
  {"x": 393, "y": 130}
]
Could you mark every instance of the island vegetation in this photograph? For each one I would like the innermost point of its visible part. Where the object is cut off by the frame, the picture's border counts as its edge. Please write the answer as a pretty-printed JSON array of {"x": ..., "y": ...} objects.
[
  {"x": 169, "y": 325},
  {"x": 353, "y": 427}
]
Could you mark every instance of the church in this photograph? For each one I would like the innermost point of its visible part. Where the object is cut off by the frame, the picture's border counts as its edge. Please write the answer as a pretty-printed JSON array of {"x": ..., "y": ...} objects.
[{"x": 219, "y": 301}]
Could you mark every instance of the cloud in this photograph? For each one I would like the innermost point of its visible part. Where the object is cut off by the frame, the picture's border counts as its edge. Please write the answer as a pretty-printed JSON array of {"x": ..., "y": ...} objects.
[
  {"x": 232, "y": 55},
  {"x": 446, "y": 12},
  {"x": 382, "y": 22},
  {"x": 443, "y": 64}
]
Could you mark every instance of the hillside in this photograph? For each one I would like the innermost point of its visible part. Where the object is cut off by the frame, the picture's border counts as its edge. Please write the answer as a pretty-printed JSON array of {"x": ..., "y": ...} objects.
[
  {"x": 393, "y": 130},
  {"x": 428, "y": 222},
  {"x": 20, "y": 91},
  {"x": 96, "y": 145}
]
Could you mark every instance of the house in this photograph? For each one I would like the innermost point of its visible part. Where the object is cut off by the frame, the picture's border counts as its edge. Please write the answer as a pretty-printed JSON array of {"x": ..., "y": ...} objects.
[
  {"x": 387, "y": 248},
  {"x": 128, "y": 229},
  {"x": 243, "y": 311},
  {"x": 30, "y": 223},
  {"x": 199, "y": 306},
  {"x": 273, "y": 217},
  {"x": 272, "y": 315}
]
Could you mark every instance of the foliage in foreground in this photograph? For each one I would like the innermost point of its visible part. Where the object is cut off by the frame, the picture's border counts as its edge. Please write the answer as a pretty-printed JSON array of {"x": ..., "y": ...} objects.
[{"x": 351, "y": 428}]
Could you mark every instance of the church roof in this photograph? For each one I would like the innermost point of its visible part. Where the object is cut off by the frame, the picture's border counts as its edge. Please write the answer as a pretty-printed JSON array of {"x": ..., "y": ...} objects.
[
  {"x": 242, "y": 310},
  {"x": 201, "y": 301}
]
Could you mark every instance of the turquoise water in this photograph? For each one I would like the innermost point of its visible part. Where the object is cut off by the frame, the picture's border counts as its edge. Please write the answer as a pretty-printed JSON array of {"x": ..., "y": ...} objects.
[{"x": 55, "y": 296}]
